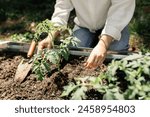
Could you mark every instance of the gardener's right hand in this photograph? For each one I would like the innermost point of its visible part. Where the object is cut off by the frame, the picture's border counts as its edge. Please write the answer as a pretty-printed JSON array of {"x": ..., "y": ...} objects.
[{"x": 46, "y": 43}]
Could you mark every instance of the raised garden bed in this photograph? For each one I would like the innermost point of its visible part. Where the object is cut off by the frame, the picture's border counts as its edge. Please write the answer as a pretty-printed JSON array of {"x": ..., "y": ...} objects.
[{"x": 121, "y": 79}]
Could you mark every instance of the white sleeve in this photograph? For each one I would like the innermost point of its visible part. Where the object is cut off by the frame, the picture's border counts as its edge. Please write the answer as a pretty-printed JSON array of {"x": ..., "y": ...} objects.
[
  {"x": 62, "y": 12},
  {"x": 118, "y": 17}
]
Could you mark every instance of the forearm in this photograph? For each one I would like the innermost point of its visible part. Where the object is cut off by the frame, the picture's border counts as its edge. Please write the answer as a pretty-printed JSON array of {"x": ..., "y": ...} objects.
[{"x": 105, "y": 40}]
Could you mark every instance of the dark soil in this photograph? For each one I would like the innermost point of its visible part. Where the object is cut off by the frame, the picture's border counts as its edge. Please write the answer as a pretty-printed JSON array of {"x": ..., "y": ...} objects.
[{"x": 31, "y": 88}]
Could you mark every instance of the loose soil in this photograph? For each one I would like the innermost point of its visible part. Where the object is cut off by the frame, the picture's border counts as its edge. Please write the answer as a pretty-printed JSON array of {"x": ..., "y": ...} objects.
[{"x": 32, "y": 89}]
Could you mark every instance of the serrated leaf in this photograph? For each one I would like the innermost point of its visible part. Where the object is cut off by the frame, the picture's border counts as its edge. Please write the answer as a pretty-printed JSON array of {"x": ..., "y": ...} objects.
[
  {"x": 97, "y": 80},
  {"x": 53, "y": 57},
  {"x": 35, "y": 68},
  {"x": 124, "y": 63},
  {"x": 40, "y": 77},
  {"x": 46, "y": 65},
  {"x": 146, "y": 70},
  {"x": 79, "y": 94},
  {"x": 39, "y": 74},
  {"x": 113, "y": 70},
  {"x": 146, "y": 88},
  {"x": 68, "y": 89},
  {"x": 119, "y": 96},
  {"x": 108, "y": 96},
  {"x": 133, "y": 57},
  {"x": 65, "y": 53}
]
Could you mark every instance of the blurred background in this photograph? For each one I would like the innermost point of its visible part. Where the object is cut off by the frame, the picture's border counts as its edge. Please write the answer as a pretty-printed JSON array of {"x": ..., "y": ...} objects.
[{"x": 19, "y": 18}]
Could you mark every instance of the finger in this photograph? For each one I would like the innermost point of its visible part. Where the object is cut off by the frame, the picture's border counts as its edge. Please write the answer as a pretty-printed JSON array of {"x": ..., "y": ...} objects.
[
  {"x": 96, "y": 62},
  {"x": 87, "y": 65},
  {"x": 40, "y": 46},
  {"x": 91, "y": 64},
  {"x": 49, "y": 46},
  {"x": 39, "y": 50},
  {"x": 89, "y": 61}
]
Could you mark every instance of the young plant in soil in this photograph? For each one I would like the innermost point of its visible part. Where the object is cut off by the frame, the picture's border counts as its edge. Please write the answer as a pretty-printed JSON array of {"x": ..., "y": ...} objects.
[
  {"x": 48, "y": 59},
  {"x": 125, "y": 79}
]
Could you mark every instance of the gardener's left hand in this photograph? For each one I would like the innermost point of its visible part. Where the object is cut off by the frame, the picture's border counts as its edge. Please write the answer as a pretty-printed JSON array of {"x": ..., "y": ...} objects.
[
  {"x": 96, "y": 57},
  {"x": 99, "y": 52}
]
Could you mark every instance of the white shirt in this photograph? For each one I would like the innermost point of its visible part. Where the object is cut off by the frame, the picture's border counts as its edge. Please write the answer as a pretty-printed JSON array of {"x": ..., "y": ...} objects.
[{"x": 111, "y": 15}]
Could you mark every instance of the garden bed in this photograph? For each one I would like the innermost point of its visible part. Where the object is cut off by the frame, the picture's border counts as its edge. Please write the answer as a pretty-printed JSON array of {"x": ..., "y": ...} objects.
[
  {"x": 31, "y": 88},
  {"x": 125, "y": 79}
]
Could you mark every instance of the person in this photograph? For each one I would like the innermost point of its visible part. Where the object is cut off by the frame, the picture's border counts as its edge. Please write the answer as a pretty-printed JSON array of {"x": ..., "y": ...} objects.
[{"x": 100, "y": 24}]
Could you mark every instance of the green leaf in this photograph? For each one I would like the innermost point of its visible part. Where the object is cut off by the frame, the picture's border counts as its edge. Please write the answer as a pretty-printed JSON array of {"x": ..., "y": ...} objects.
[
  {"x": 79, "y": 94},
  {"x": 75, "y": 41},
  {"x": 65, "y": 53},
  {"x": 113, "y": 69},
  {"x": 40, "y": 76},
  {"x": 113, "y": 94},
  {"x": 53, "y": 57},
  {"x": 146, "y": 70},
  {"x": 133, "y": 57},
  {"x": 36, "y": 66},
  {"x": 68, "y": 89},
  {"x": 108, "y": 96},
  {"x": 119, "y": 96},
  {"x": 46, "y": 65}
]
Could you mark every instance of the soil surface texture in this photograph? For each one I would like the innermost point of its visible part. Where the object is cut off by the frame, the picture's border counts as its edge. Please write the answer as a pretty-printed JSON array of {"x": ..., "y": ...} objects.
[{"x": 33, "y": 89}]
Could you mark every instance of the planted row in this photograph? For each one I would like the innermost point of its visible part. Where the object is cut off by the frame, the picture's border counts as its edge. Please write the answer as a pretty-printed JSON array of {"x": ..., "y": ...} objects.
[{"x": 124, "y": 80}]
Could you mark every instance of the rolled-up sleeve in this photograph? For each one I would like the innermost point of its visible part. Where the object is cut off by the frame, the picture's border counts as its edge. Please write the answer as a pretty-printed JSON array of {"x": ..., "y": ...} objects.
[
  {"x": 62, "y": 12},
  {"x": 118, "y": 17}
]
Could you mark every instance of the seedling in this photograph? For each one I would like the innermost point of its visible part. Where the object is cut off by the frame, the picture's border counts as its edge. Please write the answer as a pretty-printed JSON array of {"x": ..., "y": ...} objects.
[
  {"x": 45, "y": 60},
  {"x": 125, "y": 79}
]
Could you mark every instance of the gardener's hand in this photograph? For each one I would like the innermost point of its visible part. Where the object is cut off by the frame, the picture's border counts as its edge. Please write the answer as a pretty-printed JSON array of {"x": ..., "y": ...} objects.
[
  {"x": 98, "y": 54},
  {"x": 48, "y": 41},
  {"x": 45, "y": 43}
]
